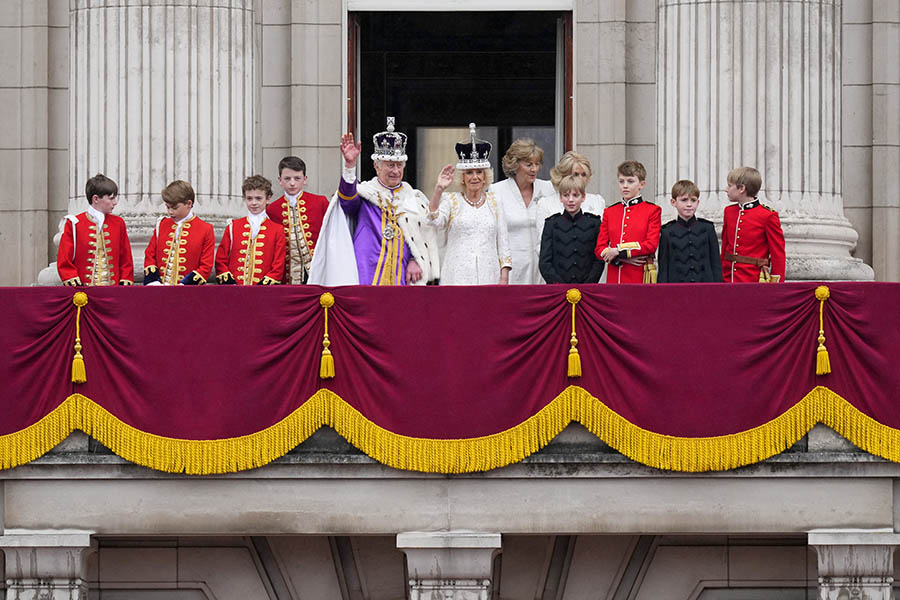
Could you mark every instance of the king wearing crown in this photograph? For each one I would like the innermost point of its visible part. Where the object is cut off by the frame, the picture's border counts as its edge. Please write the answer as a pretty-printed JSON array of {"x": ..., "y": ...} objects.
[{"x": 373, "y": 232}]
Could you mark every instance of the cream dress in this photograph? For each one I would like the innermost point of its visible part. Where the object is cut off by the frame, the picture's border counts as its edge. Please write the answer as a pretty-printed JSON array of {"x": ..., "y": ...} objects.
[
  {"x": 522, "y": 223},
  {"x": 477, "y": 241}
]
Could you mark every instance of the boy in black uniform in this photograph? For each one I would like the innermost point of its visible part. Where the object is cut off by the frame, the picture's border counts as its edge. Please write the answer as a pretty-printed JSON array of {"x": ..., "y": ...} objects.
[
  {"x": 568, "y": 241},
  {"x": 688, "y": 247}
]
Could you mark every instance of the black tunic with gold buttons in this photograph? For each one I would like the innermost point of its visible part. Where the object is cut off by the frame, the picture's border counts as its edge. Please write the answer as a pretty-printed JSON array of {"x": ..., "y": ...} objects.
[
  {"x": 567, "y": 249},
  {"x": 688, "y": 252}
]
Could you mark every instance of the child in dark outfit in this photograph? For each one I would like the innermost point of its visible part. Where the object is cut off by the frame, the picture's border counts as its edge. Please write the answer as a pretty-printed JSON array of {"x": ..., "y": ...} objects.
[
  {"x": 688, "y": 247},
  {"x": 568, "y": 240}
]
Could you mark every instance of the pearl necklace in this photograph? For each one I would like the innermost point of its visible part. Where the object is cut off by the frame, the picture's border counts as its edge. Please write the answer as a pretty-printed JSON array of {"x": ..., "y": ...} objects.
[{"x": 475, "y": 204}]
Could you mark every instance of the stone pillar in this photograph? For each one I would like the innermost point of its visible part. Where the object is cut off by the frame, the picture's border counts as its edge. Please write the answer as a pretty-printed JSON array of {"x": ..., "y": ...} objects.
[
  {"x": 162, "y": 91},
  {"x": 758, "y": 83},
  {"x": 855, "y": 564},
  {"x": 50, "y": 565},
  {"x": 885, "y": 140},
  {"x": 449, "y": 565}
]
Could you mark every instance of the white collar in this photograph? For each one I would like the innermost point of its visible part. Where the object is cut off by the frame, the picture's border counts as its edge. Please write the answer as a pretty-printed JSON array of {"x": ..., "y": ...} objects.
[
  {"x": 292, "y": 200},
  {"x": 189, "y": 216},
  {"x": 255, "y": 222},
  {"x": 96, "y": 214}
]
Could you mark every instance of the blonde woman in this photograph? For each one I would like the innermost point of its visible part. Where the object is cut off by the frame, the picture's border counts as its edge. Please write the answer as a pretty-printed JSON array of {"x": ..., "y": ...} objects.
[
  {"x": 577, "y": 165},
  {"x": 520, "y": 196}
]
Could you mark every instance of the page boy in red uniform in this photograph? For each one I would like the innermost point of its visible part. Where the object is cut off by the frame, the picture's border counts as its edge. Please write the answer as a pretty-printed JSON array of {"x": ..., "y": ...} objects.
[
  {"x": 301, "y": 214},
  {"x": 629, "y": 231},
  {"x": 252, "y": 248},
  {"x": 182, "y": 248},
  {"x": 752, "y": 239},
  {"x": 94, "y": 247}
]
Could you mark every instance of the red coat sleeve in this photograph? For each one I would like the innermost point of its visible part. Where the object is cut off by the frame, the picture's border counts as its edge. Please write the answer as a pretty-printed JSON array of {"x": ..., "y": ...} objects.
[
  {"x": 651, "y": 239},
  {"x": 207, "y": 254},
  {"x": 223, "y": 254},
  {"x": 125, "y": 259},
  {"x": 726, "y": 243},
  {"x": 603, "y": 236},
  {"x": 276, "y": 272},
  {"x": 65, "y": 265},
  {"x": 775, "y": 239},
  {"x": 150, "y": 253}
]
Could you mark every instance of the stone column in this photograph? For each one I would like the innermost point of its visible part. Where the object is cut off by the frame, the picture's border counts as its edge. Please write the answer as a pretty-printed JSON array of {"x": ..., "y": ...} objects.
[
  {"x": 758, "y": 83},
  {"x": 50, "y": 565},
  {"x": 885, "y": 140},
  {"x": 449, "y": 565},
  {"x": 162, "y": 91},
  {"x": 855, "y": 564}
]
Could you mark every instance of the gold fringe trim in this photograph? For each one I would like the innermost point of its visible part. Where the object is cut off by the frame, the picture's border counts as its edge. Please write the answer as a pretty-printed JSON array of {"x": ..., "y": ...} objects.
[{"x": 205, "y": 457}]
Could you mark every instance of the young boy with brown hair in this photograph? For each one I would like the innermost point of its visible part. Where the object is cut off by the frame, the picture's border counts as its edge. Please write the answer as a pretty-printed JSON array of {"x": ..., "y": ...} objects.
[
  {"x": 252, "y": 248},
  {"x": 569, "y": 239},
  {"x": 182, "y": 248},
  {"x": 300, "y": 213},
  {"x": 752, "y": 238},
  {"x": 688, "y": 246},
  {"x": 94, "y": 247},
  {"x": 629, "y": 233}
]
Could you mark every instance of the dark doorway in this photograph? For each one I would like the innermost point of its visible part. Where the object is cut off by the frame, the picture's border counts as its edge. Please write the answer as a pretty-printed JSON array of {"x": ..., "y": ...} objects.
[{"x": 446, "y": 69}]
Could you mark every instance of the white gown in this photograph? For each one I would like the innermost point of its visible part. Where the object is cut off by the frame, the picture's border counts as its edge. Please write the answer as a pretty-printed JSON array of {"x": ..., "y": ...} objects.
[
  {"x": 522, "y": 223},
  {"x": 477, "y": 241}
]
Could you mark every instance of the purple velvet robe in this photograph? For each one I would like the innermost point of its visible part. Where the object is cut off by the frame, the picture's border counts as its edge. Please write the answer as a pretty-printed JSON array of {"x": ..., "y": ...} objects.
[{"x": 367, "y": 238}]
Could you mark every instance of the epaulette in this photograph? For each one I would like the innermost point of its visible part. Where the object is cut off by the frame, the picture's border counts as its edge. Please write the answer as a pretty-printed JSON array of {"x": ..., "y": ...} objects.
[
  {"x": 701, "y": 220},
  {"x": 767, "y": 207},
  {"x": 669, "y": 223}
]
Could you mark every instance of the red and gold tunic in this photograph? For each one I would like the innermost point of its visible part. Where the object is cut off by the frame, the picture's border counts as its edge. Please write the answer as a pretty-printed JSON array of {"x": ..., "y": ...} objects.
[
  {"x": 751, "y": 231},
  {"x": 633, "y": 223},
  {"x": 173, "y": 258},
  {"x": 87, "y": 257},
  {"x": 265, "y": 252},
  {"x": 302, "y": 224}
]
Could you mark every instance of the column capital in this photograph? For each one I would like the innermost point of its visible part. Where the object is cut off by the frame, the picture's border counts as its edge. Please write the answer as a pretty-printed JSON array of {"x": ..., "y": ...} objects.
[
  {"x": 46, "y": 538},
  {"x": 855, "y": 563},
  {"x": 455, "y": 564},
  {"x": 47, "y": 563}
]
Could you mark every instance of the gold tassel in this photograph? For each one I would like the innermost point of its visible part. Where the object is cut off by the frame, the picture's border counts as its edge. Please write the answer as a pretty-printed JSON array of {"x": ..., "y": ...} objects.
[
  {"x": 79, "y": 375},
  {"x": 650, "y": 275},
  {"x": 326, "y": 366},
  {"x": 823, "y": 363},
  {"x": 573, "y": 296}
]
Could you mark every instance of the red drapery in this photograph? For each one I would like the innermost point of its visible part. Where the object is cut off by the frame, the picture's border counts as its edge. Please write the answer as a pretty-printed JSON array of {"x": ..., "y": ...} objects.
[{"x": 449, "y": 363}]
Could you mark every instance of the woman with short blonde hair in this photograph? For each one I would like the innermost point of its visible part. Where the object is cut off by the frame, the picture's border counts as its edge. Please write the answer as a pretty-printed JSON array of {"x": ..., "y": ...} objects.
[
  {"x": 520, "y": 195},
  {"x": 579, "y": 165}
]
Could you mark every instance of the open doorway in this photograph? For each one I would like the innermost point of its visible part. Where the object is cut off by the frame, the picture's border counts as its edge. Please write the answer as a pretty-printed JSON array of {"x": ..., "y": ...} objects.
[{"x": 509, "y": 72}]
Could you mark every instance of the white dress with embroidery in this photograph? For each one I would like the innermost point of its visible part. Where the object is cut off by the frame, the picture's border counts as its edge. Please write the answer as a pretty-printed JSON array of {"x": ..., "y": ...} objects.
[{"x": 477, "y": 241}]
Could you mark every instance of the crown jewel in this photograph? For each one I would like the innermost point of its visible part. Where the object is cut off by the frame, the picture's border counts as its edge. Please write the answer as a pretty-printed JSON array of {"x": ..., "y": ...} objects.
[
  {"x": 390, "y": 144},
  {"x": 473, "y": 153}
]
